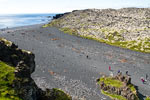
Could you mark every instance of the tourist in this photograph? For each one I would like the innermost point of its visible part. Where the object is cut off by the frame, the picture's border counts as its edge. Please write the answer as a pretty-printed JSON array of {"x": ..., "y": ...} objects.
[
  {"x": 142, "y": 79},
  {"x": 118, "y": 71},
  {"x": 109, "y": 68},
  {"x": 146, "y": 76},
  {"x": 87, "y": 56},
  {"x": 126, "y": 72}
]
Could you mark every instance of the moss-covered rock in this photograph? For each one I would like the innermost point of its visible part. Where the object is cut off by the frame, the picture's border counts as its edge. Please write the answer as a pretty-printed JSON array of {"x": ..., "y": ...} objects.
[
  {"x": 7, "y": 77},
  {"x": 54, "y": 94},
  {"x": 118, "y": 87},
  {"x": 19, "y": 65}
]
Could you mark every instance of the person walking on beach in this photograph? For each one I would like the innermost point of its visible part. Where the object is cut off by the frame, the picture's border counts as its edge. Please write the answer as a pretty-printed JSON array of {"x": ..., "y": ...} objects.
[
  {"x": 146, "y": 76},
  {"x": 118, "y": 71},
  {"x": 109, "y": 68},
  {"x": 126, "y": 72},
  {"x": 142, "y": 79}
]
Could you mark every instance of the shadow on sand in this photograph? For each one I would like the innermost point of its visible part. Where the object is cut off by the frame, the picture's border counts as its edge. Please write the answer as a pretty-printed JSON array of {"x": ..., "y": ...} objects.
[{"x": 141, "y": 96}]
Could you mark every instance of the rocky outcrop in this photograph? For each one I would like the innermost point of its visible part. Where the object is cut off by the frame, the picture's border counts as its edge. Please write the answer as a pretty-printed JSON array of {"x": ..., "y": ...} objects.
[
  {"x": 126, "y": 27},
  {"x": 59, "y": 15},
  {"x": 24, "y": 65},
  {"x": 123, "y": 78},
  {"x": 126, "y": 90}
]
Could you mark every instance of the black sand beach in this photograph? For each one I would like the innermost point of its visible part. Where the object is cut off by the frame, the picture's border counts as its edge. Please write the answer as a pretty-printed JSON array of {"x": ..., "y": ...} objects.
[{"x": 73, "y": 63}]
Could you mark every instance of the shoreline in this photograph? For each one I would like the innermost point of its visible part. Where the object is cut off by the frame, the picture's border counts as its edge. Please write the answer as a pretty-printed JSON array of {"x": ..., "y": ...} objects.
[
  {"x": 18, "y": 27},
  {"x": 20, "y": 20},
  {"x": 9, "y": 30}
]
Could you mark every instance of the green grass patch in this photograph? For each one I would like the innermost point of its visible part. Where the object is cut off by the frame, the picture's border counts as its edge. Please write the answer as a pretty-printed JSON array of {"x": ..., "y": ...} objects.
[
  {"x": 60, "y": 95},
  {"x": 92, "y": 38},
  {"x": 53, "y": 23},
  {"x": 69, "y": 31},
  {"x": 7, "y": 77},
  {"x": 147, "y": 98},
  {"x": 131, "y": 86},
  {"x": 113, "y": 96},
  {"x": 109, "y": 81}
]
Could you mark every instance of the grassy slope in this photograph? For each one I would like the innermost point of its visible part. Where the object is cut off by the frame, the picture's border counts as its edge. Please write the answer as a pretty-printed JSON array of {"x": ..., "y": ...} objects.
[
  {"x": 7, "y": 77},
  {"x": 112, "y": 37},
  {"x": 142, "y": 46}
]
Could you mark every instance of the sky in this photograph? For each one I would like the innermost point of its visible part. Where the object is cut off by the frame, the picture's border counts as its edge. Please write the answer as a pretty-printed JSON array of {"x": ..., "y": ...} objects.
[{"x": 61, "y": 6}]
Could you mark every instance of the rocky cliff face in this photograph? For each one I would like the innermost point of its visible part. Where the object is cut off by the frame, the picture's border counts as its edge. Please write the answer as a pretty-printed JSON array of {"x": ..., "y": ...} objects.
[
  {"x": 18, "y": 65},
  {"x": 24, "y": 64},
  {"x": 127, "y": 27}
]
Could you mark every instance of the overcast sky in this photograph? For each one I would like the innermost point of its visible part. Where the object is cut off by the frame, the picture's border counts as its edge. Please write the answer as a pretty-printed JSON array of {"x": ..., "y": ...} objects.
[{"x": 58, "y": 6}]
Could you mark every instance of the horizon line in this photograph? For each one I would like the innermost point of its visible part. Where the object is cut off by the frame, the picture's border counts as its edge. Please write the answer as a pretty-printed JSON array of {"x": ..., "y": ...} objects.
[{"x": 66, "y": 11}]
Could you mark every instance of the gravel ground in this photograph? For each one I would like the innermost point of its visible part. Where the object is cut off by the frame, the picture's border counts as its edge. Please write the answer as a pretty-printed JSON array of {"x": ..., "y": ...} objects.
[{"x": 73, "y": 64}]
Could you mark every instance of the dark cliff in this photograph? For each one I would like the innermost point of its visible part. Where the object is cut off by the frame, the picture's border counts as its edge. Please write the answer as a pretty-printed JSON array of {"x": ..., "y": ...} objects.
[{"x": 16, "y": 67}]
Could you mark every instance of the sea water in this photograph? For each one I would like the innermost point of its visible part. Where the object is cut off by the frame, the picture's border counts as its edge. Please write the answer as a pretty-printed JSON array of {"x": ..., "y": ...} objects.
[{"x": 16, "y": 20}]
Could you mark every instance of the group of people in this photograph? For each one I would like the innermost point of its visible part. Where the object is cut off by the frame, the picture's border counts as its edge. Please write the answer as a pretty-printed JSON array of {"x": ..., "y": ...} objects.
[
  {"x": 118, "y": 70},
  {"x": 142, "y": 79}
]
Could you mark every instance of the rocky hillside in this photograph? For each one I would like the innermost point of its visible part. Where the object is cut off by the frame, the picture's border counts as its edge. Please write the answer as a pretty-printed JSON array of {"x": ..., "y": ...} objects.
[
  {"x": 126, "y": 27},
  {"x": 16, "y": 67}
]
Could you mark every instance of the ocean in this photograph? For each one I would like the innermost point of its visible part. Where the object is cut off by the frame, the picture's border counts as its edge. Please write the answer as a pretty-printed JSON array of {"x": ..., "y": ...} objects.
[{"x": 16, "y": 20}]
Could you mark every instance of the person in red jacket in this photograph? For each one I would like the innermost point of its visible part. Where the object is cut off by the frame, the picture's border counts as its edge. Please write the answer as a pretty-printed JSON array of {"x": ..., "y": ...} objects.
[
  {"x": 142, "y": 79},
  {"x": 109, "y": 68}
]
